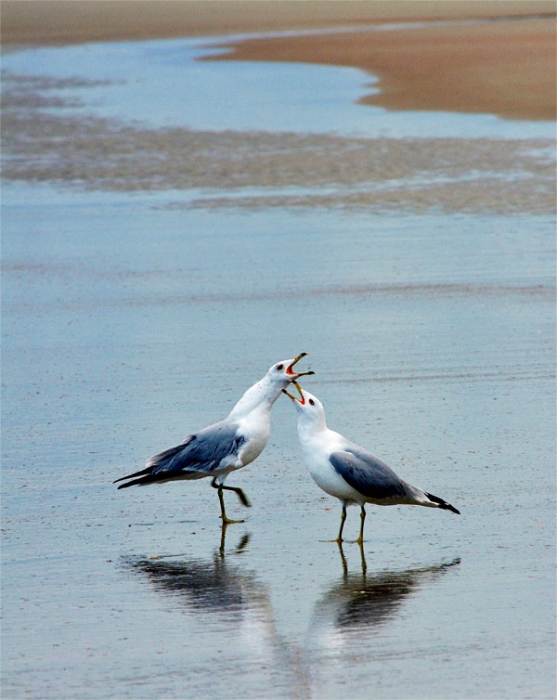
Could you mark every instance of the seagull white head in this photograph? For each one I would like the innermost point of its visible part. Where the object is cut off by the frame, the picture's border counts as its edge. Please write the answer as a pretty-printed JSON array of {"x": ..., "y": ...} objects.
[
  {"x": 310, "y": 410},
  {"x": 263, "y": 394},
  {"x": 283, "y": 373}
]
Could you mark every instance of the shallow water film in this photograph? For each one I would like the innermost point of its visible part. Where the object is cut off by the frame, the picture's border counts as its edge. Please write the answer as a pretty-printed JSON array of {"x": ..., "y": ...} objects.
[{"x": 143, "y": 292}]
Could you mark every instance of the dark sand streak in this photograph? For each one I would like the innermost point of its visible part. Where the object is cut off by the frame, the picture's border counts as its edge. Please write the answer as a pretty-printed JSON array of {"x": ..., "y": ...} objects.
[{"x": 44, "y": 142}]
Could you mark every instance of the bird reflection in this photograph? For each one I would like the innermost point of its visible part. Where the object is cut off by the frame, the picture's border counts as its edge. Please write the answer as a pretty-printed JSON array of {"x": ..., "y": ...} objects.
[
  {"x": 355, "y": 606},
  {"x": 208, "y": 585},
  {"x": 222, "y": 600},
  {"x": 360, "y": 600}
]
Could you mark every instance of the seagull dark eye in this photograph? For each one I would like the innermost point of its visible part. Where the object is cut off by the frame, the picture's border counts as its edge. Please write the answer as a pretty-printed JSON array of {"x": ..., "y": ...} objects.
[
  {"x": 279, "y": 367},
  {"x": 311, "y": 402}
]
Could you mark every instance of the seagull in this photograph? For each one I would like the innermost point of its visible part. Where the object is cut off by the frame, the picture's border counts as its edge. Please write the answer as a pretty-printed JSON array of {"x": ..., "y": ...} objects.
[
  {"x": 349, "y": 472},
  {"x": 225, "y": 446}
]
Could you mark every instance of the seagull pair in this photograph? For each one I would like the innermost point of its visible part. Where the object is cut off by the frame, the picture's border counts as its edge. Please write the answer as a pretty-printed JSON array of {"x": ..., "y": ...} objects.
[{"x": 341, "y": 468}]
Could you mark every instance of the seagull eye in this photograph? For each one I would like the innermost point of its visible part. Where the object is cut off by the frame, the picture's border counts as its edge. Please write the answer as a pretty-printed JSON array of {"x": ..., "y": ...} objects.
[
  {"x": 311, "y": 402},
  {"x": 279, "y": 367}
]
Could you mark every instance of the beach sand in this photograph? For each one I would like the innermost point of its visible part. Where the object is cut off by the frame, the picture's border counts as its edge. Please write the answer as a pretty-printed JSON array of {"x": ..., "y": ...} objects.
[
  {"x": 150, "y": 275},
  {"x": 462, "y": 66},
  {"x": 505, "y": 67}
]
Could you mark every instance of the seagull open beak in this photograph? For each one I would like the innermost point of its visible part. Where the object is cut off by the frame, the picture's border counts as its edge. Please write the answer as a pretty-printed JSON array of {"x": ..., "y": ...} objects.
[
  {"x": 290, "y": 369},
  {"x": 301, "y": 400}
]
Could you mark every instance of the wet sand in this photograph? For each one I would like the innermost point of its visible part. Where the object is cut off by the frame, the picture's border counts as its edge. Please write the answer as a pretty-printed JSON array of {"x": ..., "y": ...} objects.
[
  {"x": 126, "y": 326},
  {"x": 418, "y": 69},
  {"x": 420, "y": 275},
  {"x": 294, "y": 170}
]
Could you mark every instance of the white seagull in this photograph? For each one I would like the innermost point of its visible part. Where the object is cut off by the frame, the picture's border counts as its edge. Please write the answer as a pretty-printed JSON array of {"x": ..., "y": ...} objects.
[
  {"x": 225, "y": 446},
  {"x": 349, "y": 472}
]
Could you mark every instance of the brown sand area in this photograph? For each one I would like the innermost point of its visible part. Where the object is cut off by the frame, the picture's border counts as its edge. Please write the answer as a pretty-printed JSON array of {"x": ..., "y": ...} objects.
[
  {"x": 503, "y": 64},
  {"x": 503, "y": 67}
]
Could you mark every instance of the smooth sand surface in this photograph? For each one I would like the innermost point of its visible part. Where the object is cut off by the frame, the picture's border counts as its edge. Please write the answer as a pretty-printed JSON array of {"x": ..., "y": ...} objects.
[
  {"x": 71, "y": 21},
  {"x": 505, "y": 67}
]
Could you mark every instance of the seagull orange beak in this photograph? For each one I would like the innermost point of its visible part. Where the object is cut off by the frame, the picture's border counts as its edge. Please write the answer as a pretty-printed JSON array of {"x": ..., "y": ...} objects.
[{"x": 290, "y": 369}]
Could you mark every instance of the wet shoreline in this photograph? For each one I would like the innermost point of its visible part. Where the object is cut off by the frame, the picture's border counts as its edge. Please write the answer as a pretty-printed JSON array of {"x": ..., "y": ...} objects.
[
  {"x": 418, "y": 65},
  {"x": 46, "y": 142}
]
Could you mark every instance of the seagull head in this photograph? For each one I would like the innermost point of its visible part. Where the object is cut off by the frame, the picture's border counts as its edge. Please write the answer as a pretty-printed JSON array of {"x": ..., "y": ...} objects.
[
  {"x": 306, "y": 404},
  {"x": 263, "y": 394},
  {"x": 283, "y": 373}
]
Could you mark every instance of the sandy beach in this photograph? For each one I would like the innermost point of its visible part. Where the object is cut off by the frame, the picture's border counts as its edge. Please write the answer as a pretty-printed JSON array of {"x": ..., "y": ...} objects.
[
  {"x": 174, "y": 221},
  {"x": 418, "y": 69},
  {"x": 456, "y": 60}
]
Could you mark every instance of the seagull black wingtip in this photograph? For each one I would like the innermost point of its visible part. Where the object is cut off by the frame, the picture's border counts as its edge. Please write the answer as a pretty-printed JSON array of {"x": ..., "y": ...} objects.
[{"x": 142, "y": 472}]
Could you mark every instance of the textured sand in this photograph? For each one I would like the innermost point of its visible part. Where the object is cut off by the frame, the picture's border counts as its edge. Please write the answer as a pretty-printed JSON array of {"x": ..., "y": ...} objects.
[{"x": 289, "y": 169}]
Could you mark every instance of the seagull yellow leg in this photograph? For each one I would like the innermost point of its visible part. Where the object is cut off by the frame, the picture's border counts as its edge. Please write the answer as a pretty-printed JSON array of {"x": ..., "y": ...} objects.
[
  {"x": 360, "y": 539},
  {"x": 225, "y": 519},
  {"x": 342, "y": 519},
  {"x": 241, "y": 495}
]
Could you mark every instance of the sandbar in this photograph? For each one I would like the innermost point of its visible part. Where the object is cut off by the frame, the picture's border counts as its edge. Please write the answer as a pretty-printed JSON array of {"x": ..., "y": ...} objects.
[{"x": 485, "y": 56}]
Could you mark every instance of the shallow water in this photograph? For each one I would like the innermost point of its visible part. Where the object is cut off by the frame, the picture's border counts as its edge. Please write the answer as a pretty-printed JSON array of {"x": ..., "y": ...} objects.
[
  {"x": 127, "y": 325},
  {"x": 162, "y": 83}
]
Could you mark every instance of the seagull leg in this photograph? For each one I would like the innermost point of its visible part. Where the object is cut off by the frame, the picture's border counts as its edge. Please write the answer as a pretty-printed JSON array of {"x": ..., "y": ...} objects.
[
  {"x": 226, "y": 520},
  {"x": 241, "y": 495},
  {"x": 342, "y": 519},
  {"x": 360, "y": 539}
]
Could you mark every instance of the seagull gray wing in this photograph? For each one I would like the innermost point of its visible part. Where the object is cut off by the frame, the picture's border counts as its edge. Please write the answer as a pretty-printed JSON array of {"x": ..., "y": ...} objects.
[
  {"x": 368, "y": 475},
  {"x": 201, "y": 453}
]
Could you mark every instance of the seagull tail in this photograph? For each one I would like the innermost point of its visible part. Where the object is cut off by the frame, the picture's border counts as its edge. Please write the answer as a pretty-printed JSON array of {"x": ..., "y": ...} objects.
[
  {"x": 441, "y": 503},
  {"x": 140, "y": 482},
  {"x": 143, "y": 472}
]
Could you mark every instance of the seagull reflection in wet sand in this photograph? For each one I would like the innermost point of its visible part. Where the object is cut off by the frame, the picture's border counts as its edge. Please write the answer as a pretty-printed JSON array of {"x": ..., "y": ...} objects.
[
  {"x": 362, "y": 600},
  {"x": 210, "y": 585},
  {"x": 230, "y": 601},
  {"x": 223, "y": 597},
  {"x": 355, "y": 606}
]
